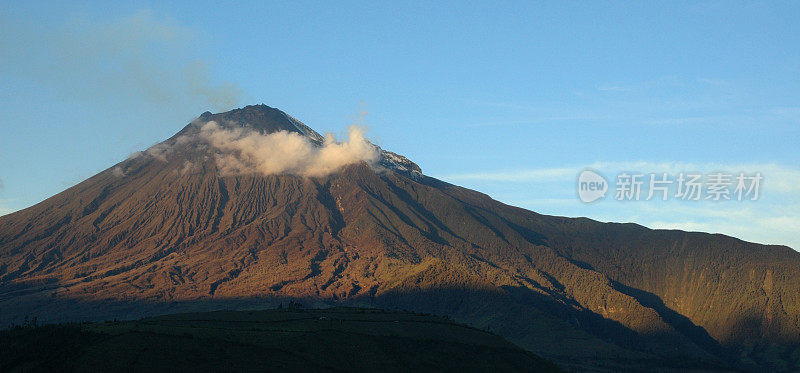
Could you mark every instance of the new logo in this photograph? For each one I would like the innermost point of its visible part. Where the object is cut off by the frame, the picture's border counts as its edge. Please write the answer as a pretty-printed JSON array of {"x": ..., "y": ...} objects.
[{"x": 591, "y": 186}]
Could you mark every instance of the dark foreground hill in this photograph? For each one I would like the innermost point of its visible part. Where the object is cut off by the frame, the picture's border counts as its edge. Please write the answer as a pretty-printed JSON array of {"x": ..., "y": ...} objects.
[
  {"x": 289, "y": 340},
  {"x": 182, "y": 227}
]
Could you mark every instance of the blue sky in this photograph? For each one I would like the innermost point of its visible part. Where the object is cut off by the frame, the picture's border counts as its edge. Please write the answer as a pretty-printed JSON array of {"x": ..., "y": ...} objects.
[{"x": 513, "y": 99}]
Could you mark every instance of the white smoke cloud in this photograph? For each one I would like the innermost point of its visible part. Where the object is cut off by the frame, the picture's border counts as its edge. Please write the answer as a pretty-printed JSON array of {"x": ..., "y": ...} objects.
[
  {"x": 159, "y": 151},
  {"x": 189, "y": 167},
  {"x": 246, "y": 151},
  {"x": 117, "y": 172}
]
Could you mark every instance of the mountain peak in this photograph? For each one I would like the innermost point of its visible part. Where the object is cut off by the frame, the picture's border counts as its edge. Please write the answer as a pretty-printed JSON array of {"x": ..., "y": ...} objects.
[
  {"x": 261, "y": 118},
  {"x": 265, "y": 120}
]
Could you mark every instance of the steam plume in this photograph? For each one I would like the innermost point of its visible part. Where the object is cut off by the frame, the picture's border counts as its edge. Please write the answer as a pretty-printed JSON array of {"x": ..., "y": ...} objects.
[{"x": 246, "y": 151}]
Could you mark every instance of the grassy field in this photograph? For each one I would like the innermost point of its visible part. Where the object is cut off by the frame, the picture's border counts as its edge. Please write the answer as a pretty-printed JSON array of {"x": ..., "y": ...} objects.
[{"x": 336, "y": 340}]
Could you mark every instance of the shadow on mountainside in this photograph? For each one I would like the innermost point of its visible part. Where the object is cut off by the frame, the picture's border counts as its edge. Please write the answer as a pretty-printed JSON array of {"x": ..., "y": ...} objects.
[
  {"x": 289, "y": 339},
  {"x": 574, "y": 338}
]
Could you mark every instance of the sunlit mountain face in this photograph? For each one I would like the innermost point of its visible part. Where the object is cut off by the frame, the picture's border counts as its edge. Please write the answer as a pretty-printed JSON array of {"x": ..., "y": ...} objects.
[{"x": 252, "y": 208}]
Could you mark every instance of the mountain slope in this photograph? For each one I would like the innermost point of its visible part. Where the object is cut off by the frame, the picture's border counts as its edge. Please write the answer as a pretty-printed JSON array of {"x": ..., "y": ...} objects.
[
  {"x": 287, "y": 340},
  {"x": 166, "y": 230}
]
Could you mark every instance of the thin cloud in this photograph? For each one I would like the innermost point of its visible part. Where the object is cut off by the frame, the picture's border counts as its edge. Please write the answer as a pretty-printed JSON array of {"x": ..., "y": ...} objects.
[
  {"x": 538, "y": 175},
  {"x": 141, "y": 60},
  {"x": 772, "y": 219},
  {"x": 782, "y": 179},
  {"x": 780, "y": 230},
  {"x": 4, "y": 209}
]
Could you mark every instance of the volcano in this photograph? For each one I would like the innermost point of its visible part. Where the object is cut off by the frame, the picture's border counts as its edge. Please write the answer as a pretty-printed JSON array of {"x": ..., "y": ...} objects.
[{"x": 176, "y": 228}]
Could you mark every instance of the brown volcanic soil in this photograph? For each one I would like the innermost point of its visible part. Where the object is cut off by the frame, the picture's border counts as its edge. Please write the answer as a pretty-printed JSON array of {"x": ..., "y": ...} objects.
[{"x": 167, "y": 236}]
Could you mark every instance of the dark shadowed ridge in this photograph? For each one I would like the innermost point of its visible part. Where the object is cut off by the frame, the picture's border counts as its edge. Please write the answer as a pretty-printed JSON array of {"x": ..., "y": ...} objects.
[
  {"x": 165, "y": 232},
  {"x": 289, "y": 340}
]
